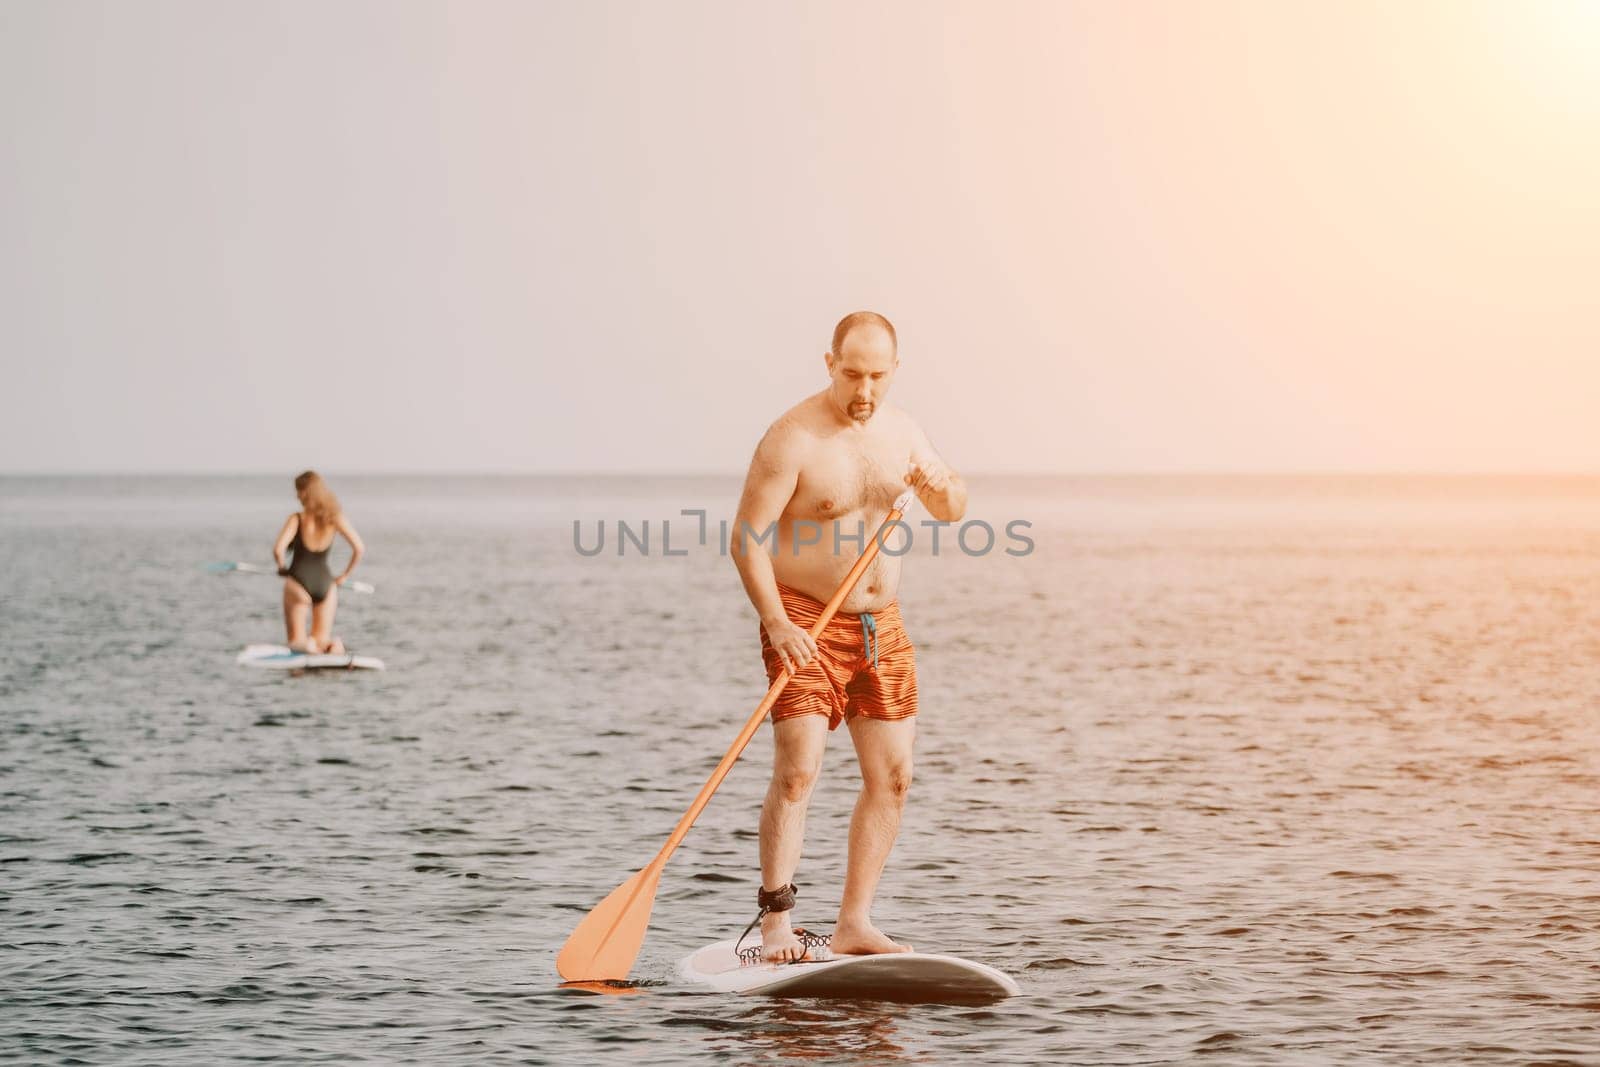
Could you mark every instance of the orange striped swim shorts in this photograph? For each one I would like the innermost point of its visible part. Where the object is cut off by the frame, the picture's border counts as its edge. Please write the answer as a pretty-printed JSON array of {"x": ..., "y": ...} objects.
[{"x": 865, "y": 665}]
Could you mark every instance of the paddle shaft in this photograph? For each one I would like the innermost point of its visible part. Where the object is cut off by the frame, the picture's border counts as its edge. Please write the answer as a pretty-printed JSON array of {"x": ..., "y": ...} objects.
[
  {"x": 754, "y": 723},
  {"x": 350, "y": 584}
]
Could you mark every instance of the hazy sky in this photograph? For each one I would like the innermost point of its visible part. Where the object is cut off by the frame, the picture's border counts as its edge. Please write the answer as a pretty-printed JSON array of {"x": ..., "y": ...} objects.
[{"x": 1115, "y": 236}]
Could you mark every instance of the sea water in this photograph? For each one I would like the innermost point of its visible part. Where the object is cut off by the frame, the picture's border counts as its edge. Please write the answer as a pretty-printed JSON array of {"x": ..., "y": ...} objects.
[{"x": 1254, "y": 770}]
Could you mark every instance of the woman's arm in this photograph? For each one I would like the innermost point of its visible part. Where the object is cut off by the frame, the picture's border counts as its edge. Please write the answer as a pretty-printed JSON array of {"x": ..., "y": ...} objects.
[
  {"x": 285, "y": 535},
  {"x": 357, "y": 549}
]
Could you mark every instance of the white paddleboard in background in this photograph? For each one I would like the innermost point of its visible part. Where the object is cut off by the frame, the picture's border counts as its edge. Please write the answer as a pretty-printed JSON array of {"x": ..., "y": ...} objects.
[
  {"x": 917, "y": 977},
  {"x": 283, "y": 658}
]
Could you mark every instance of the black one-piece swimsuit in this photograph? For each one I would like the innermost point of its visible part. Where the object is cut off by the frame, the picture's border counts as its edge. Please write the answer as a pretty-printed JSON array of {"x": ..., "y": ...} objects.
[{"x": 311, "y": 569}]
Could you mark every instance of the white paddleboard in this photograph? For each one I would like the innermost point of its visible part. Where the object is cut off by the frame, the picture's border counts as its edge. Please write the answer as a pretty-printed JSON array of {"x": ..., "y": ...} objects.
[
  {"x": 919, "y": 977},
  {"x": 283, "y": 658}
]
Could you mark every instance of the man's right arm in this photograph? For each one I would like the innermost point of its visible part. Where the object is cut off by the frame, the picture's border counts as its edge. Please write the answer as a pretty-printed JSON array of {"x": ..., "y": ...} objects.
[{"x": 768, "y": 488}]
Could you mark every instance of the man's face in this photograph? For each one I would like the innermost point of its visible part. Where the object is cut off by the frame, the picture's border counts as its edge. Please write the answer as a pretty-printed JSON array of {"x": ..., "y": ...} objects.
[{"x": 861, "y": 372}]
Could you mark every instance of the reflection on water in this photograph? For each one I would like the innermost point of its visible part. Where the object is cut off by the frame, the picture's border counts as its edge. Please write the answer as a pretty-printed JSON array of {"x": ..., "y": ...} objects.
[
  {"x": 606, "y": 989},
  {"x": 782, "y": 1029}
]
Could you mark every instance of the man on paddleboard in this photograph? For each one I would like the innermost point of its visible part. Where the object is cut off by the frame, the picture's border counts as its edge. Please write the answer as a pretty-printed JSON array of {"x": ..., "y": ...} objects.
[{"x": 824, "y": 476}]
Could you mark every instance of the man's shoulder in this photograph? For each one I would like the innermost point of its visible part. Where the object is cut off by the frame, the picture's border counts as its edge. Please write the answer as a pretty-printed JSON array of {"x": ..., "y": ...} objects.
[
  {"x": 788, "y": 439},
  {"x": 798, "y": 423}
]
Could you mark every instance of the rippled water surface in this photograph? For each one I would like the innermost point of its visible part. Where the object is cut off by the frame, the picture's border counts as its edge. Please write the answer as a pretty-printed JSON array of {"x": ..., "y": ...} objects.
[{"x": 1234, "y": 770}]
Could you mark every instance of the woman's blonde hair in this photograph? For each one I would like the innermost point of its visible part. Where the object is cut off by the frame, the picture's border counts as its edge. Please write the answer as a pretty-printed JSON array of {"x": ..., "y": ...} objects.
[{"x": 320, "y": 502}]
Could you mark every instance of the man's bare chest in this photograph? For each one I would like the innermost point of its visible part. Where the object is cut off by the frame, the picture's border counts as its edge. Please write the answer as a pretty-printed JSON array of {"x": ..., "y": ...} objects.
[{"x": 842, "y": 479}]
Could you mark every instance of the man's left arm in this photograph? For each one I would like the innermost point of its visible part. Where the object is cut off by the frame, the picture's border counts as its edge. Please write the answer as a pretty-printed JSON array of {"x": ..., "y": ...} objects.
[{"x": 941, "y": 490}]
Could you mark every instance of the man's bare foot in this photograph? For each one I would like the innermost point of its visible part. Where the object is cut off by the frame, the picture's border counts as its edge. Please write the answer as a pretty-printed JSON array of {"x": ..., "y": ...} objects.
[
  {"x": 778, "y": 943},
  {"x": 862, "y": 939}
]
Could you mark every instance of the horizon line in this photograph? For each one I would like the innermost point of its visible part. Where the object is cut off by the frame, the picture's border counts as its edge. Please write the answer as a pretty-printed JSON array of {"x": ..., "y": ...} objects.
[{"x": 969, "y": 476}]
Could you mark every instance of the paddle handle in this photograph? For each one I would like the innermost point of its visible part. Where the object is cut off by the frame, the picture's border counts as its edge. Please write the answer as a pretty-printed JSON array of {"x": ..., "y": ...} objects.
[{"x": 829, "y": 610}]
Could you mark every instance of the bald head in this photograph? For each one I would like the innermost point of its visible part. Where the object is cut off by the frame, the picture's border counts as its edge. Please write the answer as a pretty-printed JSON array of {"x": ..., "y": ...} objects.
[
  {"x": 861, "y": 365},
  {"x": 862, "y": 320}
]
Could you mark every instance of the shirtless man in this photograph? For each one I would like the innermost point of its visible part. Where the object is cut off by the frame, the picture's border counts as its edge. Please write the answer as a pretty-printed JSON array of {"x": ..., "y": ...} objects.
[{"x": 826, "y": 474}]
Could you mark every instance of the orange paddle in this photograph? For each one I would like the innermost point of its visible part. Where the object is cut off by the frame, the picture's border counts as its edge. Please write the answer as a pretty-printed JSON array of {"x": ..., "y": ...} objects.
[{"x": 604, "y": 945}]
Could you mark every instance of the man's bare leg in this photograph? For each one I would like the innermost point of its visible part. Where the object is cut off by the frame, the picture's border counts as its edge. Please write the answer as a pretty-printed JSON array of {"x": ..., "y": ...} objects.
[
  {"x": 797, "y": 746},
  {"x": 884, "y": 752}
]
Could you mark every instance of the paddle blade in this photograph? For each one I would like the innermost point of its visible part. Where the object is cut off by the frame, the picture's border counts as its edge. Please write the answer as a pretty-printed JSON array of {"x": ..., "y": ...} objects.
[{"x": 605, "y": 944}]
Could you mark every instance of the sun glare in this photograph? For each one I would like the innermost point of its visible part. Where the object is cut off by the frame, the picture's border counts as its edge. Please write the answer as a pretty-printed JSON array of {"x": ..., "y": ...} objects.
[{"x": 1556, "y": 45}]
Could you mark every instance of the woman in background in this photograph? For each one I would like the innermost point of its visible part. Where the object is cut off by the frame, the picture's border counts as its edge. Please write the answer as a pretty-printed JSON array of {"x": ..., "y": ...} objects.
[{"x": 309, "y": 582}]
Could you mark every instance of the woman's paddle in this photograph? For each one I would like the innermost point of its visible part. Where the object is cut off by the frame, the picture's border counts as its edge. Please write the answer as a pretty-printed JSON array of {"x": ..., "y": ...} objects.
[{"x": 606, "y": 942}]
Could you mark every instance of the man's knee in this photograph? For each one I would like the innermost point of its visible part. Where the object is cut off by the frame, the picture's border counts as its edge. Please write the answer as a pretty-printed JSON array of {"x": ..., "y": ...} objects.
[
  {"x": 894, "y": 780},
  {"x": 794, "y": 784}
]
